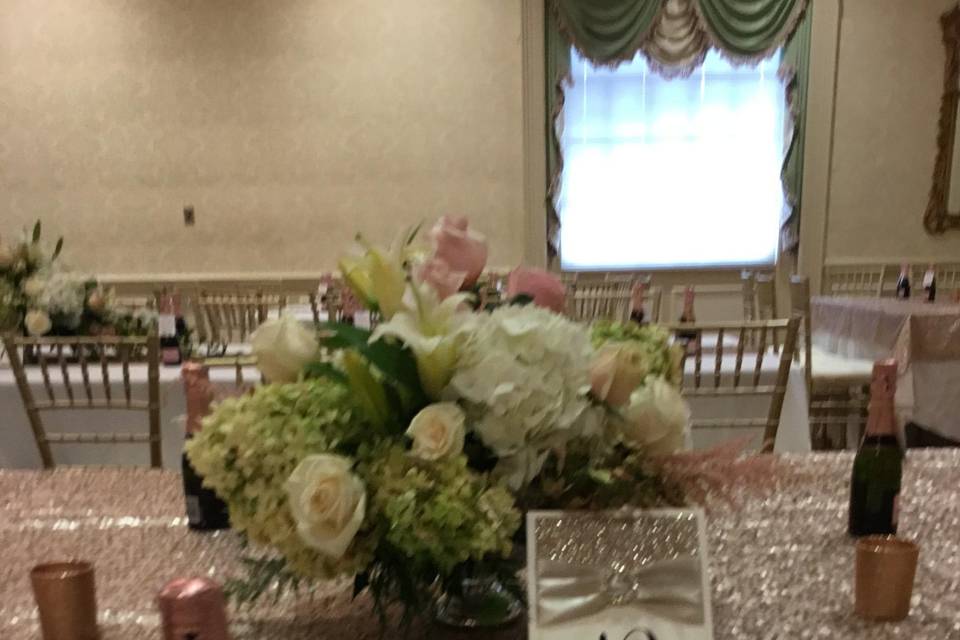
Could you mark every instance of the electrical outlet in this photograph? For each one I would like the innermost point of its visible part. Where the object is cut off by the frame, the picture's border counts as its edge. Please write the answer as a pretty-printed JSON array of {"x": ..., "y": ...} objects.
[{"x": 188, "y": 216}]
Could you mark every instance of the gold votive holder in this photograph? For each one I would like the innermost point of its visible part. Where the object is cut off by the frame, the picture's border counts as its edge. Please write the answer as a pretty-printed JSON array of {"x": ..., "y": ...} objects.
[
  {"x": 67, "y": 601},
  {"x": 885, "y": 569}
]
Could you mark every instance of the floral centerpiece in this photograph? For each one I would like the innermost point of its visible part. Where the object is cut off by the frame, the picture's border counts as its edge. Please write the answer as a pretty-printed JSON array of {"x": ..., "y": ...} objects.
[
  {"x": 40, "y": 296},
  {"x": 406, "y": 456}
]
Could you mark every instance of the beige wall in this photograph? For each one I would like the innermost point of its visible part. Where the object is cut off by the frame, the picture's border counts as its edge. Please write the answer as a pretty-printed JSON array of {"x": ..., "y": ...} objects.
[
  {"x": 288, "y": 124},
  {"x": 889, "y": 82}
]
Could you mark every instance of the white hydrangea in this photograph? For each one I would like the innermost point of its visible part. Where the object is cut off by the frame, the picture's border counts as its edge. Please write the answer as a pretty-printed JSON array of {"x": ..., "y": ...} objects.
[
  {"x": 64, "y": 295},
  {"x": 523, "y": 375}
]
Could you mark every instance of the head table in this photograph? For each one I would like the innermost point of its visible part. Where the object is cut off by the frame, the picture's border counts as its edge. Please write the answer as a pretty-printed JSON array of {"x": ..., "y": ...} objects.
[
  {"x": 923, "y": 337},
  {"x": 781, "y": 564}
]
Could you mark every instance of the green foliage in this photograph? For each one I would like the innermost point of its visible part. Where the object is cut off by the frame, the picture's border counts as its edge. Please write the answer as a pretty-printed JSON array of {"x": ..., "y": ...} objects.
[
  {"x": 586, "y": 478},
  {"x": 382, "y": 375},
  {"x": 320, "y": 370},
  {"x": 261, "y": 575}
]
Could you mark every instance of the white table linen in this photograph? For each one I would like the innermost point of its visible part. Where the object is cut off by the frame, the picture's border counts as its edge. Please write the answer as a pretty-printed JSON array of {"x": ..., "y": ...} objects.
[{"x": 924, "y": 338}]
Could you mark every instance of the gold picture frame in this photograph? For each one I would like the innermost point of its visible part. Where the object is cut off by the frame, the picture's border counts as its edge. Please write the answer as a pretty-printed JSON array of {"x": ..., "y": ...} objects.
[{"x": 938, "y": 219}]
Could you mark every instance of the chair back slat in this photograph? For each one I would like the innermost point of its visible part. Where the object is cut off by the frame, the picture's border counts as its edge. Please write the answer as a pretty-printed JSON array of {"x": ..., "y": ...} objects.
[
  {"x": 697, "y": 358},
  {"x": 741, "y": 343},
  {"x": 153, "y": 397},
  {"x": 68, "y": 388},
  {"x": 79, "y": 349},
  {"x": 42, "y": 359},
  {"x": 84, "y": 373},
  {"x": 736, "y": 384},
  {"x": 124, "y": 350},
  {"x": 761, "y": 349},
  {"x": 104, "y": 372},
  {"x": 718, "y": 361}
]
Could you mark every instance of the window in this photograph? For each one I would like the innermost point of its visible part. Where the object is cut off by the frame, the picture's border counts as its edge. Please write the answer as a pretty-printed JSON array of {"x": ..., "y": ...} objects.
[{"x": 671, "y": 173}]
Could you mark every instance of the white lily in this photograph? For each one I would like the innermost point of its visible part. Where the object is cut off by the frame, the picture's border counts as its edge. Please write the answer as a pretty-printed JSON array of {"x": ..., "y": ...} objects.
[
  {"x": 380, "y": 277},
  {"x": 429, "y": 327}
]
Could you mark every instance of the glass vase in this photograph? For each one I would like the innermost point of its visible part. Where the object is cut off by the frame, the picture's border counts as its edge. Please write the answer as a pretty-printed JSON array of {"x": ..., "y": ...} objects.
[{"x": 483, "y": 603}]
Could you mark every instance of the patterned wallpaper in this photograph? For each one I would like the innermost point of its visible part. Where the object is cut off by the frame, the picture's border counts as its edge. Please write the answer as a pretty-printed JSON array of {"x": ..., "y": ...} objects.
[
  {"x": 288, "y": 124},
  {"x": 889, "y": 83}
]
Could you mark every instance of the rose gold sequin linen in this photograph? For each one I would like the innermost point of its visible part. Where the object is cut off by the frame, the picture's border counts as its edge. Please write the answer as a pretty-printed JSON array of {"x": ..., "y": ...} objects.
[{"x": 781, "y": 567}]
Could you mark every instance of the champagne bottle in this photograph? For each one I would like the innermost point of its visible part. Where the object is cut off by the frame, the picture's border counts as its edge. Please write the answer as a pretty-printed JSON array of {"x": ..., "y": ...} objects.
[
  {"x": 637, "y": 297},
  {"x": 205, "y": 511},
  {"x": 903, "y": 282},
  {"x": 930, "y": 283},
  {"x": 171, "y": 328},
  {"x": 877, "y": 467}
]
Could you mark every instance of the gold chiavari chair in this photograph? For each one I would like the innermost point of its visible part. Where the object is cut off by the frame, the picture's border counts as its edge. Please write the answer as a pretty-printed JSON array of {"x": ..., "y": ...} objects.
[
  {"x": 837, "y": 399},
  {"x": 492, "y": 286},
  {"x": 85, "y": 362},
  {"x": 308, "y": 300},
  {"x": 948, "y": 280},
  {"x": 654, "y": 301},
  {"x": 735, "y": 370},
  {"x": 865, "y": 281},
  {"x": 588, "y": 301},
  {"x": 237, "y": 364},
  {"x": 229, "y": 318},
  {"x": 653, "y": 296}
]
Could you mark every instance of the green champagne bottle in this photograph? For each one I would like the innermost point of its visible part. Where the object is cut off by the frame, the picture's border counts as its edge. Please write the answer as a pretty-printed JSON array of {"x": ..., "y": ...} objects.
[{"x": 877, "y": 468}]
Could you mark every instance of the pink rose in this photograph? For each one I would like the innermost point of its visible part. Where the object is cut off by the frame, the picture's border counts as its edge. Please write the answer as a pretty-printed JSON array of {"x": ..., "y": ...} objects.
[
  {"x": 462, "y": 249},
  {"x": 545, "y": 288},
  {"x": 438, "y": 274}
]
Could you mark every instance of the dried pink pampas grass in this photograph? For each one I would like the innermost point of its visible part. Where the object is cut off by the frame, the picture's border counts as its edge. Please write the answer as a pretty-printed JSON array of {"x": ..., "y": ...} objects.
[{"x": 724, "y": 472}]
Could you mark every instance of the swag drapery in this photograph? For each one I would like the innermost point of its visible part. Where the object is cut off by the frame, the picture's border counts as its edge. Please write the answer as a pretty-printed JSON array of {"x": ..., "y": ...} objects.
[{"x": 674, "y": 36}]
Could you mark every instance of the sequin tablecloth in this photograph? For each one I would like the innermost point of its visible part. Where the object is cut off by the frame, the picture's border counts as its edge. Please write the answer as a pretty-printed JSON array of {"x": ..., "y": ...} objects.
[{"x": 781, "y": 566}]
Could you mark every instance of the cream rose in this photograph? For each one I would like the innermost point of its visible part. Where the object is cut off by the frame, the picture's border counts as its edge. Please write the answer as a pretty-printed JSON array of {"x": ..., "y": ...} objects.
[
  {"x": 328, "y": 503},
  {"x": 33, "y": 286},
  {"x": 37, "y": 322},
  {"x": 283, "y": 347},
  {"x": 437, "y": 431},
  {"x": 656, "y": 419},
  {"x": 616, "y": 372}
]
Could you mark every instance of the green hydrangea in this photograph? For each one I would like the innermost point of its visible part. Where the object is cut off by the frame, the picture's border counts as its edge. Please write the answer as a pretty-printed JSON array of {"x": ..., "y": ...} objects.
[
  {"x": 662, "y": 358},
  {"x": 250, "y": 445},
  {"x": 433, "y": 515},
  {"x": 440, "y": 513}
]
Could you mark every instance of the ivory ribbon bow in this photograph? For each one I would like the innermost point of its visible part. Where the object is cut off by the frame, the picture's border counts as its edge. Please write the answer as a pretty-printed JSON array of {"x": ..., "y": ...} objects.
[{"x": 671, "y": 589}]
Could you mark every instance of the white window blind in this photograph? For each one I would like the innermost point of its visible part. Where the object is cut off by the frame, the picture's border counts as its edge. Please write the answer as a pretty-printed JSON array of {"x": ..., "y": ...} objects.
[{"x": 671, "y": 173}]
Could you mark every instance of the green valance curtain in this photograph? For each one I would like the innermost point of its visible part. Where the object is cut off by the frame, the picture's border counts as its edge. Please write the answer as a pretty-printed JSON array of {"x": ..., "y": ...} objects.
[{"x": 674, "y": 36}]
